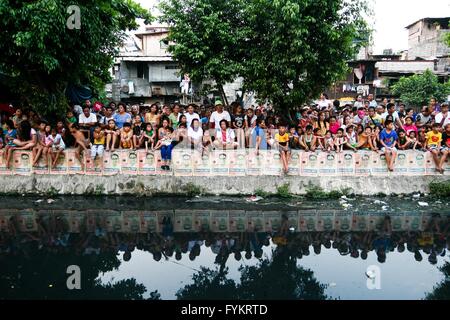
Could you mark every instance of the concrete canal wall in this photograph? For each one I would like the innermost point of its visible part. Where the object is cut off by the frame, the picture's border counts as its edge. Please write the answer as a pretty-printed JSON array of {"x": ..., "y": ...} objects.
[{"x": 227, "y": 173}]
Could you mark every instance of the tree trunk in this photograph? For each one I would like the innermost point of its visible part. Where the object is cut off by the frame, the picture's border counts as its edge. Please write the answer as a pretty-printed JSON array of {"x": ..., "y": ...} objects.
[{"x": 222, "y": 93}]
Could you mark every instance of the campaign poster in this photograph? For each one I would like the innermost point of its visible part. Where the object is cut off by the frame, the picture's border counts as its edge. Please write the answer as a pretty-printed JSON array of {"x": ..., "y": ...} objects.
[
  {"x": 447, "y": 167},
  {"x": 219, "y": 221},
  {"x": 294, "y": 168},
  {"x": 310, "y": 164},
  {"x": 22, "y": 162},
  {"x": 147, "y": 163},
  {"x": 91, "y": 220},
  {"x": 397, "y": 221},
  {"x": 256, "y": 221},
  {"x": 220, "y": 163},
  {"x": 182, "y": 162},
  {"x": 238, "y": 221},
  {"x": 149, "y": 222},
  {"x": 272, "y": 220},
  {"x": 360, "y": 221},
  {"x": 307, "y": 220},
  {"x": 202, "y": 164},
  {"x": 77, "y": 221},
  {"x": 413, "y": 221},
  {"x": 94, "y": 167},
  {"x": 426, "y": 220},
  {"x": 62, "y": 166},
  {"x": 430, "y": 166},
  {"x": 346, "y": 163},
  {"x": 3, "y": 168},
  {"x": 131, "y": 221},
  {"x": 363, "y": 163},
  {"x": 376, "y": 220},
  {"x": 129, "y": 162},
  {"x": 74, "y": 165},
  {"x": 379, "y": 164},
  {"x": 293, "y": 219},
  {"x": 416, "y": 163},
  {"x": 343, "y": 221},
  {"x": 325, "y": 220},
  {"x": 272, "y": 163},
  {"x": 401, "y": 163},
  {"x": 238, "y": 163},
  {"x": 43, "y": 165},
  {"x": 159, "y": 163},
  {"x": 327, "y": 164},
  {"x": 202, "y": 220},
  {"x": 4, "y": 220},
  {"x": 255, "y": 162},
  {"x": 27, "y": 221},
  {"x": 183, "y": 221}
]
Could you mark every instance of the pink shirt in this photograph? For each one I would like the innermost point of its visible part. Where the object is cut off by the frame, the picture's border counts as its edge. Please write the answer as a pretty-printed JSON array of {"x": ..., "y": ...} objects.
[
  {"x": 334, "y": 127},
  {"x": 410, "y": 128}
]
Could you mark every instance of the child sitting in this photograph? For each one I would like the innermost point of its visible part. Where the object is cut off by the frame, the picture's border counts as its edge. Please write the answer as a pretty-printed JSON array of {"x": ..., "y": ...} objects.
[
  {"x": 404, "y": 142},
  {"x": 328, "y": 142},
  {"x": 308, "y": 140},
  {"x": 111, "y": 133},
  {"x": 99, "y": 143},
  {"x": 340, "y": 140},
  {"x": 10, "y": 134},
  {"x": 165, "y": 144},
  {"x": 55, "y": 146},
  {"x": 41, "y": 147},
  {"x": 149, "y": 136},
  {"x": 126, "y": 136},
  {"x": 433, "y": 144},
  {"x": 81, "y": 142},
  {"x": 282, "y": 138}
]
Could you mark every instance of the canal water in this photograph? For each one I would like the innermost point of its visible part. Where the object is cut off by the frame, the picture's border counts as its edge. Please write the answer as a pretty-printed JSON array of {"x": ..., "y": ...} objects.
[{"x": 224, "y": 248}]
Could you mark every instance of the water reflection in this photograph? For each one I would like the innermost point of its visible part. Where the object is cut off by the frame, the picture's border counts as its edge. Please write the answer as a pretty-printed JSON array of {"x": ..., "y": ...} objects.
[{"x": 37, "y": 246}]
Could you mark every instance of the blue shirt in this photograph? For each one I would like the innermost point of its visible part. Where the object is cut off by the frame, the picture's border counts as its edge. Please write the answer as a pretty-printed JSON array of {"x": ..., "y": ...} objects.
[
  {"x": 258, "y": 132},
  {"x": 121, "y": 119},
  {"x": 388, "y": 138}
]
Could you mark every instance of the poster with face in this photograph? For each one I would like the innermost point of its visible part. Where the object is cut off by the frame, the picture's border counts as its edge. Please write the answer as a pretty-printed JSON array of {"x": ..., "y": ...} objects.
[
  {"x": 255, "y": 221},
  {"x": 343, "y": 221},
  {"x": 220, "y": 163},
  {"x": 3, "y": 168},
  {"x": 401, "y": 163},
  {"x": 307, "y": 220},
  {"x": 149, "y": 222},
  {"x": 202, "y": 164},
  {"x": 379, "y": 165},
  {"x": 22, "y": 163},
  {"x": 113, "y": 220},
  {"x": 360, "y": 221},
  {"x": 294, "y": 168},
  {"x": 325, "y": 220},
  {"x": 129, "y": 162},
  {"x": 147, "y": 163},
  {"x": 219, "y": 221},
  {"x": 159, "y": 164},
  {"x": 62, "y": 166},
  {"x": 43, "y": 166},
  {"x": 238, "y": 221},
  {"x": 272, "y": 220},
  {"x": 430, "y": 166},
  {"x": 416, "y": 163},
  {"x": 74, "y": 165},
  {"x": 363, "y": 163},
  {"x": 183, "y": 221},
  {"x": 202, "y": 220},
  {"x": 327, "y": 164},
  {"x": 182, "y": 162},
  {"x": 238, "y": 163},
  {"x": 111, "y": 163},
  {"x": 346, "y": 163},
  {"x": 255, "y": 162},
  {"x": 310, "y": 164},
  {"x": 94, "y": 167},
  {"x": 131, "y": 221},
  {"x": 272, "y": 163},
  {"x": 27, "y": 221}
]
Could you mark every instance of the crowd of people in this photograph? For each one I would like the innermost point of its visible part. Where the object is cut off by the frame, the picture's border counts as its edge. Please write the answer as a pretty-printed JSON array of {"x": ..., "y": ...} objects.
[
  {"x": 53, "y": 235},
  {"x": 325, "y": 126}
]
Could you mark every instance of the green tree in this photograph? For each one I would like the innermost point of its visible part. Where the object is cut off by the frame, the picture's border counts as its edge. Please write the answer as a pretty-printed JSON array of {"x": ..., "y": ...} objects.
[
  {"x": 417, "y": 90},
  {"x": 42, "y": 55},
  {"x": 442, "y": 290},
  {"x": 205, "y": 36}
]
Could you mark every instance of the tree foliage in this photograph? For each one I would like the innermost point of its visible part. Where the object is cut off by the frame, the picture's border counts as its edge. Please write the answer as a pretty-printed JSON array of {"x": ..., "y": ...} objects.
[
  {"x": 417, "y": 90},
  {"x": 42, "y": 55},
  {"x": 442, "y": 290},
  {"x": 288, "y": 51}
]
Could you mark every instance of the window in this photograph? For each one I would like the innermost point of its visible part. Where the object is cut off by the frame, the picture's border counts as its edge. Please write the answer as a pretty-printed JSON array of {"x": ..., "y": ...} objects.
[
  {"x": 142, "y": 70},
  {"x": 171, "y": 67}
]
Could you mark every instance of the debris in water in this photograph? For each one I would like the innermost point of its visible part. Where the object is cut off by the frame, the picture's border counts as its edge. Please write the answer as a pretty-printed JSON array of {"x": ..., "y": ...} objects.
[
  {"x": 423, "y": 204},
  {"x": 254, "y": 199},
  {"x": 385, "y": 208},
  {"x": 379, "y": 202},
  {"x": 416, "y": 195},
  {"x": 332, "y": 284},
  {"x": 50, "y": 201},
  {"x": 39, "y": 201}
]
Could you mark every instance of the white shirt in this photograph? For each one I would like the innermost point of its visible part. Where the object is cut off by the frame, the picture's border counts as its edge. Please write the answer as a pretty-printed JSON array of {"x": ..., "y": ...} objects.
[
  {"x": 230, "y": 135},
  {"x": 324, "y": 103},
  {"x": 190, "y": 117},
  {"x": 217, "y": 117},
  {"x": 195, "y": 135},
  {"x": 440, "y": 116},
  {"x": 394, "y": 115},
  {"x": 83, "y": 119}
]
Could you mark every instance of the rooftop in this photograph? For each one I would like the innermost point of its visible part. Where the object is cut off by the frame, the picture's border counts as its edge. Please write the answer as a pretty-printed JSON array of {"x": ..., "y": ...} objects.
[{"x": 444, "y": 22}]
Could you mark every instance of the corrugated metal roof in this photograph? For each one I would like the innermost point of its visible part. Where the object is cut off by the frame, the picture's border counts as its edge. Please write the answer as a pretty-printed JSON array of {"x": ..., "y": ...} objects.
[{"x": 145, "y": 59}]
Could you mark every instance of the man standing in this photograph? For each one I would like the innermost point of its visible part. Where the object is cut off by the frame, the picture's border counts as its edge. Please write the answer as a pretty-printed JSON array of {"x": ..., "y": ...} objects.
[
  {"x": 219, "y": 115},
  {"x": 372, "y": 102},
  {"x": 191, "y": 115}
]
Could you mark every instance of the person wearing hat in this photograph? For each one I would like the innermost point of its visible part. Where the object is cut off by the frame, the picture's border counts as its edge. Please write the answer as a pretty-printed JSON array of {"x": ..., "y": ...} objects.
[{"x": 219, "y": 115}]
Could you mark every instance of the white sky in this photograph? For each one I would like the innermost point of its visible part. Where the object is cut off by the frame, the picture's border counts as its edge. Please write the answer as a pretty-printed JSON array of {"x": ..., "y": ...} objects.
[{"x": 391, "y": 17}]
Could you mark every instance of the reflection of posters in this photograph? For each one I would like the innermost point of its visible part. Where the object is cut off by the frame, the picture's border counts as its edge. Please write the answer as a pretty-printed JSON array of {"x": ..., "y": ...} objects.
[
  {"x": 379, "y": 165},
  {"x": 416, "y": 163},
  {"x": 129, "y": 162},
  {"x": 430, "y": 166},
  {"x": 360, "y": 221},
  {"x": 346, "y": 163},
  {"x": 94, "y": 167},
  {"x": 293, "y": 219},
  {"x": 202, "y": 165},
  {"x": 295, "y": 163},
  {"x": 27, "y": 221},
  {"x": 397, "y": 221},
  {"x": 159, "y": 164},
  {"x": 238, "y": 161},
  {"x": 202, "y": 220},
  {"x": 325, "y": 221},
  {"x": 255, "y": 163},
  {"x": 413, "y": 221},
  {"x": 272, "y": 164},
  {"x": 426, "y": 220},
  {"x": 363, "y": 163},
  {"x": 342, "y": 221},
  {"x": 401, "y": 163},
  {"x": 310, "y": 164},
  {"x": 131, "y": 222},
  {"x": 183, "y": 221},
  {"x": 307, "y": 220},
  {"x": 74, "y": 164},
  {"x": 256, "y": 221},
  {"x": 42, "y": 167},
  {"x": 77, "y": 221},
  {"x": 3, "y": 168},
  {"x": 376, "y": 220},
  {"x": 22, "y": 162},
  {"x": 219, "y": 221},
  {"x": 238, "y": 221},
  {"x": 327, "y": 164},
  {"x": 149, "y": 222},
  {"x": 182, "y": 162},
  {"x": 113, "y": 221},
  {"x": 146, "y": 163},
  {"x": 272, "y": 221},
  {"x": 219, "y": 163},
  {"x": 4, "y": 219},
  {"x": 61, "y": 165}
]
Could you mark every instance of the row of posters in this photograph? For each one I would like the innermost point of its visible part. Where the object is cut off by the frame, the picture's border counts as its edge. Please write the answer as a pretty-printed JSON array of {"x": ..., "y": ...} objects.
[
  {"x": 217, "y": 221},
  {"x": 226, "y": 163}
]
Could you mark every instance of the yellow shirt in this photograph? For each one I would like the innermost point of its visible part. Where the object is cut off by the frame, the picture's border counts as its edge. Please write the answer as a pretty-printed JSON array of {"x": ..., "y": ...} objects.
[
  {"x": 282, "y": 139},
  {"x": 433, "y": 139},
  {"x": 100, "y": 140}
]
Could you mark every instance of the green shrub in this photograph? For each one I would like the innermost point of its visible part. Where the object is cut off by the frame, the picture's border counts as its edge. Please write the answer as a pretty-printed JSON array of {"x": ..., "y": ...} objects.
[
  {"x": 261, "y": 193},
  {"x": 283, "y": 191},
  {"x": 317, "y": 193},
  {"x": 440, "y": 189},
  {"x": 192, "y": 190}
]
